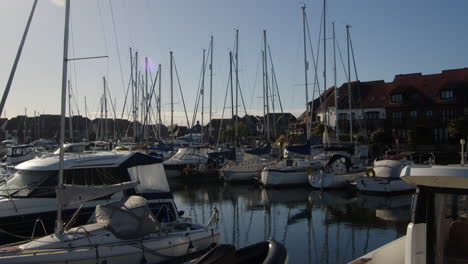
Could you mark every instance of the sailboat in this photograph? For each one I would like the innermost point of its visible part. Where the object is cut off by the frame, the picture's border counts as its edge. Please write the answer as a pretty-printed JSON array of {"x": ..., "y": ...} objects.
[{"x": 123, "y": 232}]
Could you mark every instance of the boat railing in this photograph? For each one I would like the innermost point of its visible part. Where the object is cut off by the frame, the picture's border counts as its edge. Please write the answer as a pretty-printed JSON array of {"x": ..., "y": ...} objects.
[
  {"x": 38, "y": 220},
  {"x": 214, "y": 219},
  {"x": 86, "y": 232}
]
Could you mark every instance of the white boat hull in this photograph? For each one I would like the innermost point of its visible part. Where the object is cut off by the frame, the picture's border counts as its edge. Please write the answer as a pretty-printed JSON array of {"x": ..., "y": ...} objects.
[
  {"x": 383, "y": 185},
  {"x": 239, "y": 175},
  {"x": 323, "y": 180},
  {"x": 153, "y": 248},
  {"x": 286, "y": 176}
]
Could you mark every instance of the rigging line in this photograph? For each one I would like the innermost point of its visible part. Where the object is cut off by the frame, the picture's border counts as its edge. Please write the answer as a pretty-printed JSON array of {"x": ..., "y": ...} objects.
[
  {"x": 113, "y": 108},
  {"x": 358, "y": 88},
  {"x": 117, "y": 46},
  {"x": 200, "y": 92},
  {"x": 256, "y": 78},
  {"x": 274, "y": 78},
  {"x": 103, "y": 35},
  {"x": 197, "y": 100},
  {"x": 148, "y": 106},
  {"x": 240, "y": 91},
  {"x": 181, "y": 94},
  {"x": 73, "y": 54},
  {"x": 224, "y": 107},
  {"x": 315, "y": 62}
]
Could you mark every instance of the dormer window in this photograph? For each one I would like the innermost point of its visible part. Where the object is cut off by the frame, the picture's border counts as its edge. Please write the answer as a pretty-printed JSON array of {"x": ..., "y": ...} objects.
[
  {"x": 397, "y": 98},
  {"x": 447, "y": 95}
]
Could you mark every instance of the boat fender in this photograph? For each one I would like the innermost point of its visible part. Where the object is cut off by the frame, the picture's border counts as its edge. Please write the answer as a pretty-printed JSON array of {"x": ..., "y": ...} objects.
[
  {"x": 309, "y": 170},
  {"x": 370, "y": 172},
  {"x": 185, "y": 170}
]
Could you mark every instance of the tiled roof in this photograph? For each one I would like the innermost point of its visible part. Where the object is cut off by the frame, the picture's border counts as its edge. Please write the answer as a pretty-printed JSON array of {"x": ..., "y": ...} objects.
[{"x": 415, "y": 88}]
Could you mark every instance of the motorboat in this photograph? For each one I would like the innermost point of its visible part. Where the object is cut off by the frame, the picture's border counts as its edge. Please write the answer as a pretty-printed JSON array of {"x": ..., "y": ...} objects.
[
  {"x": 265, "y": 252},
  {"x": 337, "y": 173},
  {"x": 122, "y": 232},
  {"x": 185, "y": 157},
  {"x": 437, "y": 232},
  {"x": 288, "y": 172},
  {"x": 384, "y": 178},
  {"x": 19, "y": 153},
  {"x": 245, "y": 170},
  {"x": 29, "y": 193},
  {"x": 249, "y": 166}
]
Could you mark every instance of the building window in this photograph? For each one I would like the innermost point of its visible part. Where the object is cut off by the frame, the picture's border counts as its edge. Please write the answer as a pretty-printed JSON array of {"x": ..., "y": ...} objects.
[
  {"x": 353, "y": 114},
  {"x": 448, "y": 114},
  {"x": 342, "y": 116},
  {"x": 397, "y": 98},
  {"x": 374, "y": 115},
  {"x": 397, "y": 117},
  {"x": 414, "y": 115},
  {"x": 429, "y": 113},
  {"x": 447, "y": 95}
]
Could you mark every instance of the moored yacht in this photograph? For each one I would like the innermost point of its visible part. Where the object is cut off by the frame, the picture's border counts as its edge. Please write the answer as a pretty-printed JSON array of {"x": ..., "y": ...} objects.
[
  {"x": 384, "y": 178},
  {"x": 184, "y": 157},
  {"x": 437, "y": 232},
  {"x": 337, "y": 173},
  {"x": 126, "y": 231},
  {"x": 288, "y": 172},
  {"x": 29, "y": 193},
  {"x": 19, "y": 153}
]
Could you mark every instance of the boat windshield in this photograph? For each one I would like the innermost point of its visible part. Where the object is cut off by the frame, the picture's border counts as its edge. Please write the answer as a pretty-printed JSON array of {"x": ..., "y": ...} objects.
[
  {"x": 450, "y": 228},
  {"x": 24, "y": 182}
]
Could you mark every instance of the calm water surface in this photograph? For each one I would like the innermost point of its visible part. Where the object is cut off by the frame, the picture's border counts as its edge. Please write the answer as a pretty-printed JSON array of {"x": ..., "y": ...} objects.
[{"x": 316, "y": 227}]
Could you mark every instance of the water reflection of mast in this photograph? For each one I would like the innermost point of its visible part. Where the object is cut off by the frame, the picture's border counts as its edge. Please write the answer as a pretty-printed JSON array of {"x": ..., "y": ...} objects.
[
  {"x": 248, "y": 228},
  {"x": 286, "y": 227},
  {"x": 325, "y": 241},
  {"x": 311, "y": 224}
]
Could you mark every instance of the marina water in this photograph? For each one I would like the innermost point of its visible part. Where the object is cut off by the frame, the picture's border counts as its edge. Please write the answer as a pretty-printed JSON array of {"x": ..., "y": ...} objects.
[{"x": 316, "y": 227}]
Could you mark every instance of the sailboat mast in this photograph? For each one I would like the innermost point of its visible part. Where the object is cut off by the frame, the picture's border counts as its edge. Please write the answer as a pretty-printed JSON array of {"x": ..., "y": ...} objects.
[
  {"x": 337, "y": 131},
  {"x": 135, "y": 98},
  {"x": 172, "y": 98},
  {"x": 18, "y": 55},
  {"x": 211, "y": 83},
  {"x": 349, "y": 89},
  {"x": 105, "y": 107},
  {"x": 325, "y": 62},
  {"x": 237, "y": 86},
  {"x": 145, "y": 99},
  {"x": 86, "y": 117},
  {"x": 263, "y": 93},
  {"x": 203, "y": 96},
  {"x": 266, "y": 86},
  {"x": 159, "y": 103},
  {"x": 58, "y": 221},
  {"x": 306, "y": 67},
  {"x": 232, "y": 89},
  {"x": 70, "y": 121}
]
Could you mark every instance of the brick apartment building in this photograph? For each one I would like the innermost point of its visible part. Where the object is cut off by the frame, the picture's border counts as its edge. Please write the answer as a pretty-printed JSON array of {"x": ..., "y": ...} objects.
[{"x": 411, "y": 103}]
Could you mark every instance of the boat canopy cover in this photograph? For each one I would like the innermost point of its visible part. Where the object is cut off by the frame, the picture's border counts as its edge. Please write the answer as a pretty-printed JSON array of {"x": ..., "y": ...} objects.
[
  {"x": 388, "y": 168},
  {"x": 76, "y": 194},
  {"x": 130, "y": 218},
  {"x": 455, "y": 176},
  {"x": 151, "y": 178},
  {"x": 264, "y": 149},
  {"x": 300, "y": 149}
]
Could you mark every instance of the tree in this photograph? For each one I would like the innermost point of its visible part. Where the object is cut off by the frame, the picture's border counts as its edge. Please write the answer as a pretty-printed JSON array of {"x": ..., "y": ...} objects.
[{"x": 458, "y": 128}]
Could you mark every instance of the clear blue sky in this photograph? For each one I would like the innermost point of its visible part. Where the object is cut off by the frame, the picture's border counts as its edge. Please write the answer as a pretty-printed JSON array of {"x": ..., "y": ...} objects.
[{"x": 389, "y": 37}]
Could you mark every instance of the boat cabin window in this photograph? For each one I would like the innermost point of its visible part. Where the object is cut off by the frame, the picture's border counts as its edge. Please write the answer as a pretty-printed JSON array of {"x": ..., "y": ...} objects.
[
  {"x": 23, "y": 182},
  {"x": 43, "y": 183},
  {"x": 450, "y": 228},
  {"x": 18, "y": 152}
]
